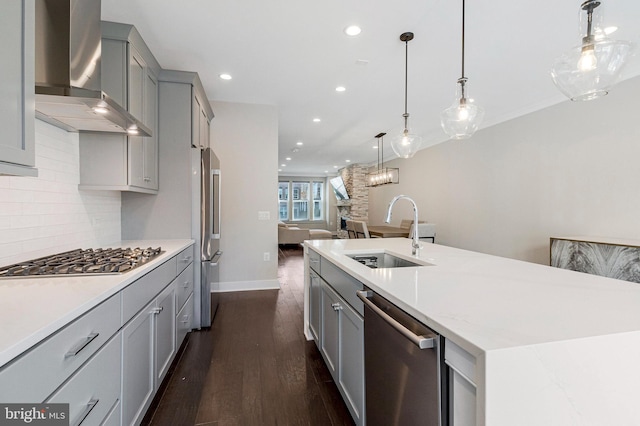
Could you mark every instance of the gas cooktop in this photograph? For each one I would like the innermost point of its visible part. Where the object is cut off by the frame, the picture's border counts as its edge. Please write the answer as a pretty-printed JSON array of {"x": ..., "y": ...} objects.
[{"x": 82, "y": 262}]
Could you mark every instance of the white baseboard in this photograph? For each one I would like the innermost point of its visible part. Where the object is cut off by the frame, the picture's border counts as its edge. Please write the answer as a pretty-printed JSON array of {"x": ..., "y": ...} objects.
[{"x": 224, "y": 287}]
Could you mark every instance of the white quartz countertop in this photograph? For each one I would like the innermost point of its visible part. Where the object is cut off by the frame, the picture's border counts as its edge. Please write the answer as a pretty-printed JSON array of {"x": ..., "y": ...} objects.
[
  {"x": 487, "y": 303},
  {"x": 33, "y": 308}
]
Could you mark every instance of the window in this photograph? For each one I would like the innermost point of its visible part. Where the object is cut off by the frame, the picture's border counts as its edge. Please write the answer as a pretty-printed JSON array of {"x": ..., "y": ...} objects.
[
  {"x": 283, "y": 200},
  {"x": 306, "y": 202}
]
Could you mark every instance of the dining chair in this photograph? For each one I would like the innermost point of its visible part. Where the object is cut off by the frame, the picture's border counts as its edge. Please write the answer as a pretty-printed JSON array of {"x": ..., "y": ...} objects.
[
  {"x": 426, "y": 231},
  {"x": 361, "y": 229},
  {"x": 351, "y": 229}
]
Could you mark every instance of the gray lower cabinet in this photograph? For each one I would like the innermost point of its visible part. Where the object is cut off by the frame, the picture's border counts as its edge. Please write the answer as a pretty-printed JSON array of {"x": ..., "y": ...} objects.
[
  {"x": 17, "y": 111},
  {"x": 315, "y": 305},
  {"x": 90, "y": 403},
  {"x": 342, "y": 346},
  {"x": 109, "y": 363},
  {"x": 338, "y": 330},
  {"x": 148, "y": 347},
  {"x": 461, "y": 376}
]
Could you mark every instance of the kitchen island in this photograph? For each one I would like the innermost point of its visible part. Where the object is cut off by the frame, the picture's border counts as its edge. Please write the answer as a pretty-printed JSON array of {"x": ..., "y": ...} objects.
[{"x": 550, "y": 346}]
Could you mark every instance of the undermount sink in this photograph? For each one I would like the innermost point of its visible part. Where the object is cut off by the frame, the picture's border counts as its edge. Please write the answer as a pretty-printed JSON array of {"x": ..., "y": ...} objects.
[{"x": 383, "y": 260}]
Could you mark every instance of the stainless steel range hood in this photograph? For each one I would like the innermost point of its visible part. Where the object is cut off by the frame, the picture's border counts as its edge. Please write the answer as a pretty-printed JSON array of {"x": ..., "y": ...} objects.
[{"x": 68, "y": 87}]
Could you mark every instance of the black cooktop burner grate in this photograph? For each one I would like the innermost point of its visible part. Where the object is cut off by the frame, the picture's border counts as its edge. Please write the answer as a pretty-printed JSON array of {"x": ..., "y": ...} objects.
[{"x": 82, "y": 262}]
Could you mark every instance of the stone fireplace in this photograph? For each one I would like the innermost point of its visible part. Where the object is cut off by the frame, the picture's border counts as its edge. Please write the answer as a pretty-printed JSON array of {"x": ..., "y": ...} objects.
[{"x": 357, "y": 207}]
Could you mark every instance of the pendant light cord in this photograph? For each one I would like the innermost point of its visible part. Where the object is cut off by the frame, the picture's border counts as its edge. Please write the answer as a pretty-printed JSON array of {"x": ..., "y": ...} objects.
[
  {"x": 406, "y": 77},
  {"x": 462, "y": 80}
]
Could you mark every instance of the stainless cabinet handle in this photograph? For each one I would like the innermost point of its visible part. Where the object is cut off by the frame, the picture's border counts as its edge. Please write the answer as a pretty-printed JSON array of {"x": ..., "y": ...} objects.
[
  {"x": 90, "y": 406},
  {"x": 185, "y": 319},
  {"x": 186, "y": 259},
  {"x": 81, "y": 345},
  {"x": 420, "y": 341},
  {"x": 186, "y": 284},
  {"x": 336, "y": 306},
  {"x": 314, "y": 260},
  {"x": 146, "y": 179},
  {"x": 157, "y": 310}
]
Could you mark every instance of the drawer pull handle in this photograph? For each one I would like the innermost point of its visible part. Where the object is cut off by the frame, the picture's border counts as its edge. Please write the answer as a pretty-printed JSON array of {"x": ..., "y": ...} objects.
[
  {"x": 90, "y": 406},
  {"x": 186, "y": 284},
  {"x": 185, "y": 319},
  {"x": 336, "y": 306},
  {"x": 81, "y": 345},
  {"x": 157, "y": 310},
  {"x": 186, "y": 259},
  {"x": 314, "y": 260}
]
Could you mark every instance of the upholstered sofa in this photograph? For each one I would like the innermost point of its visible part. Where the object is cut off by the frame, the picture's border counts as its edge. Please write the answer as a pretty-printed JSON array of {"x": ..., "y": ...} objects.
[{"x": 291, "y": 234}]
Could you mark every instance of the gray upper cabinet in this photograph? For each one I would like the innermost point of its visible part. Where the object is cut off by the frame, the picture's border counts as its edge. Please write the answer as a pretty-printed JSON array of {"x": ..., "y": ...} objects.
[
  {"x": 199, "y": 110},
  {"x": 17, "y": 82},
  {"x": 129, "y": 75},
  {"x": 201, "y": 121}
]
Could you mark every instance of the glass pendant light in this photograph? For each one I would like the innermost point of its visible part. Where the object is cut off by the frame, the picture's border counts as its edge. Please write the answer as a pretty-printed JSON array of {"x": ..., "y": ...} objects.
[
  {"x": 406, "y": 144},
  {"x": 590, "y": 69},
  {"x": 462, "y": 118}
]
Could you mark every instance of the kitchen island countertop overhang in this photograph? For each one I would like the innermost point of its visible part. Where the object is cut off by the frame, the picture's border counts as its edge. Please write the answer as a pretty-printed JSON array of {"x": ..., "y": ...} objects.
[{"x": 552, "y": 346}]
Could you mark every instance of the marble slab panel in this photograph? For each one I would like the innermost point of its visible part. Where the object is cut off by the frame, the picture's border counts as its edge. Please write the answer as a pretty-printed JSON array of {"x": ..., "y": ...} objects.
[{"x": 607, "y": 260}]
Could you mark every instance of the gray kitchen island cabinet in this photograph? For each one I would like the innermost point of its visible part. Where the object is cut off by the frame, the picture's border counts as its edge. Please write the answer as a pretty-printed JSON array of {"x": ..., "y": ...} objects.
[
  {"x": 129, "y": 76},
  {"x": 337, "y": 326},
  {"x": 17, "y": 107}
]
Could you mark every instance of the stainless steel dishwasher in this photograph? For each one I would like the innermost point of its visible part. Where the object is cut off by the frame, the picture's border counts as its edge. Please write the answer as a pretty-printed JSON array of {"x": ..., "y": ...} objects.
[{"x": 402, "y": 366}]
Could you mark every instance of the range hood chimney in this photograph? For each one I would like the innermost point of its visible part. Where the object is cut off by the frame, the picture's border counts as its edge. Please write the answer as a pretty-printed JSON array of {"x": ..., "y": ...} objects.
[{"x": 68, "y": 87}]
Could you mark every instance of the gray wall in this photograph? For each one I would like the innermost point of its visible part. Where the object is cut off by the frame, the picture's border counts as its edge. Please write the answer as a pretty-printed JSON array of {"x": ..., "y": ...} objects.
[
  {"x": 571, "y": 169},
  {"x": 245, "y": 138}
]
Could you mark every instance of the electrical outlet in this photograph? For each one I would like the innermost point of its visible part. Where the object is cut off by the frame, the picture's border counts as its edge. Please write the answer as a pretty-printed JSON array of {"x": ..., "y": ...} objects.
[
  {"x": 264, "y": 215},
  {"x": 266, "y": 256}
]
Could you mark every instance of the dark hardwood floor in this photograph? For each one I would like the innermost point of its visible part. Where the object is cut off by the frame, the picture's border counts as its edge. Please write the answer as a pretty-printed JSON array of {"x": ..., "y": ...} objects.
[{"x": 254, "y": 366}]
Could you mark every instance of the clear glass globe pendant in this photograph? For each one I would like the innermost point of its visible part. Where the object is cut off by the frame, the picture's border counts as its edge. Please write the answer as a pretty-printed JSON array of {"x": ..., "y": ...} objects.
[
  {"x": 406, "y": 144},
  {"x": 462, "y": 119},
  {"x": 589, "y": 70}
]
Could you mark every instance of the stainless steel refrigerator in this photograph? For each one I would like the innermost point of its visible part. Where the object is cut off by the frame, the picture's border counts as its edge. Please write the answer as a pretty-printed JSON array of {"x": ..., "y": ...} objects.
[{"x": 210, "y": 253}]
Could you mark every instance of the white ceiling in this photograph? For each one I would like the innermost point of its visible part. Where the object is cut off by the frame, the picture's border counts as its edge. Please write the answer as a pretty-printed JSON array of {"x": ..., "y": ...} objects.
[{"x": 293, "y": 53}]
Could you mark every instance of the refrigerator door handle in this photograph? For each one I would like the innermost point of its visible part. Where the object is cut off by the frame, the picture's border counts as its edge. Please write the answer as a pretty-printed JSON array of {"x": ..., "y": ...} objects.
[{"x": 215, "y": 203}]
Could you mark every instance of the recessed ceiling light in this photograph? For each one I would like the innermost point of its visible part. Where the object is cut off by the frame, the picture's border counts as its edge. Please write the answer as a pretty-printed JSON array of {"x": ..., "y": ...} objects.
[
  {"x": 316, "y": 120},
  {"x": 347, "y": 161},
  {"x": 340, "y": 89},
  {"x": 299, "y": 143},
  {"x": 610, "y": 30},
  {"x": 283, "y": 165},
  {"x": 326, "y": 171},
  {"x": 375, "y": 147},
  {"x": 288, "y": 158},
  {"x": 335, "y": 167},
  {"x": 352, "y": 30},
  {"x": 225, "y": 76},
  {"x": 279, "y": 170}
]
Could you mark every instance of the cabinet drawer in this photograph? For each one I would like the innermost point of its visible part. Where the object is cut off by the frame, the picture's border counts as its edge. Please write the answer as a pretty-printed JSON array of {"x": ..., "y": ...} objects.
[
  {"x": 314, "y": 261},
  {"x": 184, "y": 286},
  {"x": 94, "y": 390},
  {"x": 184, "y": 259},
  {"x": 344, "y": 284},
  {"x": 141, "y": 291},
  {"x": 184, "y": 321},
  {"x": 33, "y": 376}
]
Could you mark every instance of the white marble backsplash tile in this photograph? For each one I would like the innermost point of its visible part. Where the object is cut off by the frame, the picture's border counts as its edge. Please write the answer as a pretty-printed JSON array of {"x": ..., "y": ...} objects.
[{"x": 48, "y": 214}]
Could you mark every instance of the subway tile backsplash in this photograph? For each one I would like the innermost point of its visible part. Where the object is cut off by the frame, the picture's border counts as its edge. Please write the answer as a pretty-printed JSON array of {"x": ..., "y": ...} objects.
[{"x": 48, "y": 214}]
